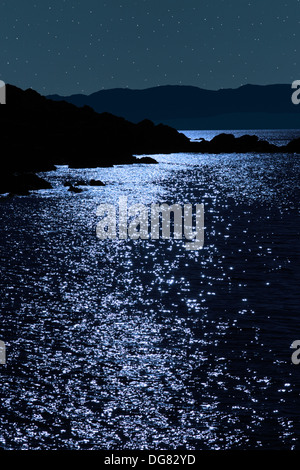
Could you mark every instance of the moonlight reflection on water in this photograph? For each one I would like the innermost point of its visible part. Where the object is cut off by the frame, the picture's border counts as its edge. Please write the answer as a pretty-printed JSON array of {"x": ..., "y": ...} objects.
[{"x": 141, "y": 344}]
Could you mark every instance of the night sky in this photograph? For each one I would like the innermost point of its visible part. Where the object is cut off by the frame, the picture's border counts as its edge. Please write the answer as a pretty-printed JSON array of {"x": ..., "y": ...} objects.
[{"x": 82, "y": 46}]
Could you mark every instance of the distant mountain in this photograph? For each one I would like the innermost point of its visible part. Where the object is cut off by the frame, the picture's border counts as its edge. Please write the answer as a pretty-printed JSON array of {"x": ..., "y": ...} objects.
[{"x": 187, "y": 107}]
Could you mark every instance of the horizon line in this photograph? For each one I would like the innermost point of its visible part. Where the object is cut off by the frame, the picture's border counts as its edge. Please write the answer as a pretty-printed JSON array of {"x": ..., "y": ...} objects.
[
  {"x": 148, "y": 88},
  {"x": 166, "y": 86}
]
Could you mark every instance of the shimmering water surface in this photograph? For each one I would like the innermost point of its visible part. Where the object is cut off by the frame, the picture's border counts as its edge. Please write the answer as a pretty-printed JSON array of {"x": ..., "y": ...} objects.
[{"x": 115, "y": 344}]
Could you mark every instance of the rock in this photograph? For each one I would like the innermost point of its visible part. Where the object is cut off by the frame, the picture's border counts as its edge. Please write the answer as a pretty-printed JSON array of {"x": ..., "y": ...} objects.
[
  {"x": 22, "y": 183},
  {"x": 96, "y": 183},
  {"x": 146, "y": 160},
  {"x": 73, "y": 189},
  {"x": 293, "y": 146},
  {"x": 228, "y": 143}
]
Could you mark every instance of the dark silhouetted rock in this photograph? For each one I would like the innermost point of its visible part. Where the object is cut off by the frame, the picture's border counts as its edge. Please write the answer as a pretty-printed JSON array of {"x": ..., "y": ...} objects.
[
  {"x": 22, "y": 183},
  {"x": 146, "y": 160},
  {"x": 41, "y": 133},
  {"x": 293, "y": 146},
  {"x": 228, "y": 143},
  {"x": 96, "y": 183},
  {"x": 74, "y": 189}
]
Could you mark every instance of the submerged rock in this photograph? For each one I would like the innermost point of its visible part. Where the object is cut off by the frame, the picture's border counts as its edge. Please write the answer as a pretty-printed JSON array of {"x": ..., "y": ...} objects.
[{"x": 77, "y": 183}]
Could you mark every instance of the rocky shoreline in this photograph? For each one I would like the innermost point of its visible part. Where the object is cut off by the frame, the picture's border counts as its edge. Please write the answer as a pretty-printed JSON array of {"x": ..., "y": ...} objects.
[{"x": 37, "y": 134}]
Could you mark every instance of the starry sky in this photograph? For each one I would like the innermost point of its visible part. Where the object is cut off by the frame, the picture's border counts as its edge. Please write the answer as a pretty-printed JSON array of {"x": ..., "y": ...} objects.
[{"x": 82, "y": 46}]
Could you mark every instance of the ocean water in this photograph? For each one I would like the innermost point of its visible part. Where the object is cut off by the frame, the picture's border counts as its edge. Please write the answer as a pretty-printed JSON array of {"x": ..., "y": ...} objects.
[{"x": 141, "y": 344}]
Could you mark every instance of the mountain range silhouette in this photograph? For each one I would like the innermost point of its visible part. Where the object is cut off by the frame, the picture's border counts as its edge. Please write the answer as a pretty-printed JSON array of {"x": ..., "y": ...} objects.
[{"x": 187, "y": 107}]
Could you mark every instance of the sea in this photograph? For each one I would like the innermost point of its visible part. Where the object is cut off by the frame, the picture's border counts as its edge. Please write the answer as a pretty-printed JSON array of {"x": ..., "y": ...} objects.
[{"x": 114, "y": 344}]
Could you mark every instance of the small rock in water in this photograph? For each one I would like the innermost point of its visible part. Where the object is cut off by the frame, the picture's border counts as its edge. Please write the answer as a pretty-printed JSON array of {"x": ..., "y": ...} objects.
[
  {"x": 73, "y": 189},
  {"x": 96, "y": 183},
  {"x": 146, "y": 160}
]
